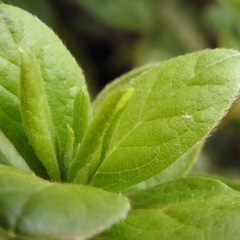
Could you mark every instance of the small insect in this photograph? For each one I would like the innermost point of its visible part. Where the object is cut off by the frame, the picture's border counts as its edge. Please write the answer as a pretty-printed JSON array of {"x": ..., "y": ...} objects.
[{"x": 187, "y": 116}]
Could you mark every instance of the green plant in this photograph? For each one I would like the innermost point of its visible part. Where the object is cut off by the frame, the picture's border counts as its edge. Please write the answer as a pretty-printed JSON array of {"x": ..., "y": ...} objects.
[{"x": 75, "y": 168}]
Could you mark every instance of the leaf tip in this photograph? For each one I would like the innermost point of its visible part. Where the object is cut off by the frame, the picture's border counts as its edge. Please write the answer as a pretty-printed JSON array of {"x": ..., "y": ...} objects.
[{"x": 126, "y": 96}]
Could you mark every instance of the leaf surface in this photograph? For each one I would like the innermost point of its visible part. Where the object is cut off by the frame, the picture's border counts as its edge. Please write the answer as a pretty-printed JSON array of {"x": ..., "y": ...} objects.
[
  {"x": 82, "y": 115},
  {"x": 173, "y": 107},
  {"x": 232, "y": 183},
  {"x": 36, "y": 114},
  {"x": 62, "y": 77},
  {"x": 32, "y": 207},
  {"x": 190, "y": 208},
  {"x": 119, "y": 84},
  {"x": 91, "y": 150},
  {"x": 177, "y": 170},
  {"x": 110, "y": 101}
]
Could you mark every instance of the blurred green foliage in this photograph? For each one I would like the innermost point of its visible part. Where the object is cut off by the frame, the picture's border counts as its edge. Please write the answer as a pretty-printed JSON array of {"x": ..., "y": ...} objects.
[
  {"x": 110, "y": 37},
  {"x": 40, "y": 8}
]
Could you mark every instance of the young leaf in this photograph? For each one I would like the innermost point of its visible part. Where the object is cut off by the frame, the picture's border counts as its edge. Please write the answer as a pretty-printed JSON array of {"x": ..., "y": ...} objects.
[
  {"x": 82, "y": 115},
  {"x": 173, "y": 107},
  {"x": 32, "y": 207},
  {"x": 62, "y": 77},
  {"x": 36, "y": 115},
  {"x": 115, "y": 94},
  {"x": 190, "y": 208},
  {"x": 10, "y": 117},
  {"x": 119, "y": 84},
  {"x": 68, "y": 154},
  {"x": 88, "y": 157}
]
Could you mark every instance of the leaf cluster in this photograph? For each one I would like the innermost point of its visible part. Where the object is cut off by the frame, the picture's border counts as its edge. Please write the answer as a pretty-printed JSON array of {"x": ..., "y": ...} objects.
[
  {"x": 111, "y": 37},
  {"x": 116, "y": 167}
]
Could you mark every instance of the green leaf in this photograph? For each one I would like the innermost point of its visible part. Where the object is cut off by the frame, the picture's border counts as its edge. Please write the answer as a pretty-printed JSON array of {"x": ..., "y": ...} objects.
[
  {"x": 174, "y": 106},
  {"x": 10, "y": 156},
  {"x": 68, "y": 154},
  {"x": 135, "y": 15},
  {"x": 62, "y": 77},
  {"x": 190, "y": 208},
  {"x": 232, "y": 183},
  {"x": 119, "y": 84},
  {"x": 90, "y": 152},
  {"x": 36, "y": 115},
  {"x": 82, "y": 115},
  {"x": 178, "y": 169},
  {"x": 32, "y": 207}
]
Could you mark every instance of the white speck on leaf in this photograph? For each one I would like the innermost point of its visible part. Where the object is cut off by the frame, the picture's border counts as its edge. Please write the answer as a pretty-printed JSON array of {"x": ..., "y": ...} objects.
[
  {"x": 187, "y": 116},
  {"x": 20, "y": 49}
]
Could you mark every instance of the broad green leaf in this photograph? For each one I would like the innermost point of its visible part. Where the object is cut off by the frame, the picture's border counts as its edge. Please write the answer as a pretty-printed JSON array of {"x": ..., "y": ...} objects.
[
  {"x": 119, "y": 84},
  {"x": 173, "y": 107},
  {"x": 135, "y": 15},
  {"x": 32, "y": 207},
  {"x": 63, "y": 78},
  {"x": 178, "y": 169},
  {"x": 91, "y": 150},
  {"x": 190, "y": 208},
  {"x": 36, "y": 115}
]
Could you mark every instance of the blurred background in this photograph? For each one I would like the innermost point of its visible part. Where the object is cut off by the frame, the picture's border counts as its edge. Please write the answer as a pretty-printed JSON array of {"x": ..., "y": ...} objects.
[{"x": 111, "y": 37}]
